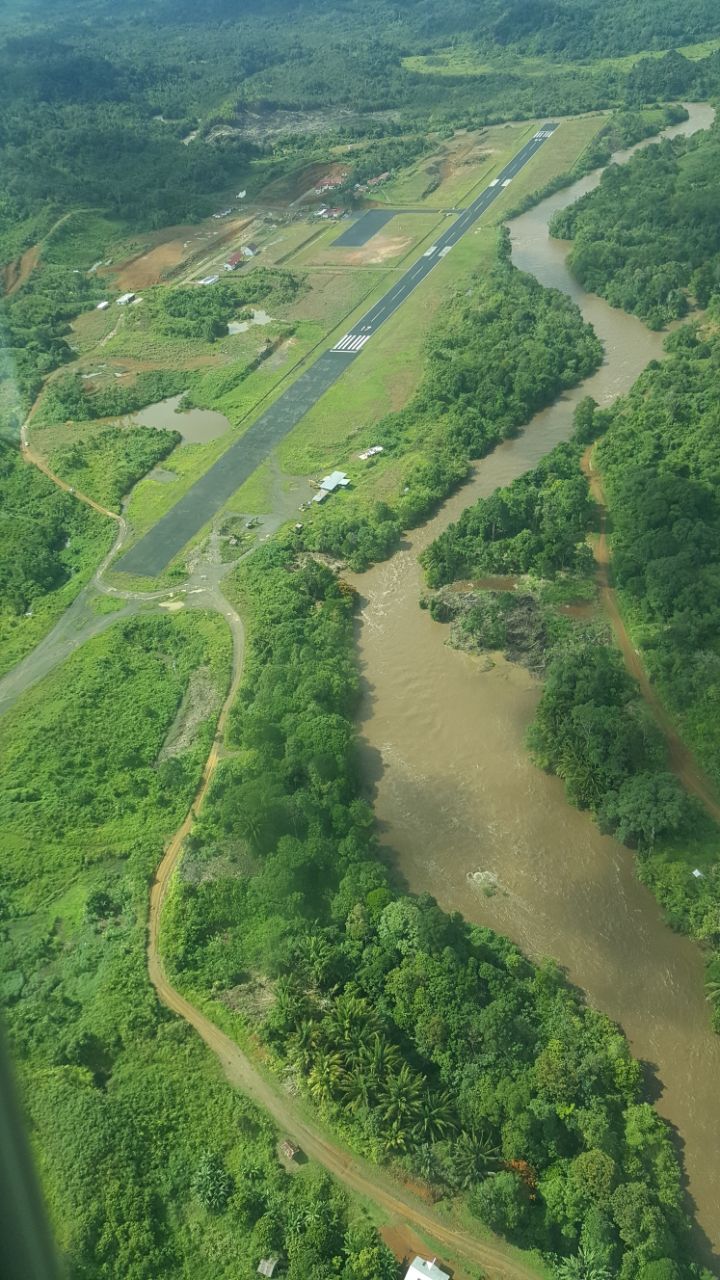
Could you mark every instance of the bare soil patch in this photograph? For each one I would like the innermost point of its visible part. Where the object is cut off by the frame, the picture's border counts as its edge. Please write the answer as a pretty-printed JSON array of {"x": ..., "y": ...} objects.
[
  {"x": 379, "y": 250},
  {"x": 16, "y": 273},
  {"x": 301, "y": 182},
  {"x": 201, "y": 700},
  {"x": 172, "y": 247}
]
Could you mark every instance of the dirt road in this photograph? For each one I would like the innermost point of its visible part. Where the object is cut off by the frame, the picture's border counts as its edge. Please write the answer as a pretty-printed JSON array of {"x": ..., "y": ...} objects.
[
  {"x": 16, "y": 273},
  {"x": 680, "y": 758},
  {"x": 364, "y": 1179}
]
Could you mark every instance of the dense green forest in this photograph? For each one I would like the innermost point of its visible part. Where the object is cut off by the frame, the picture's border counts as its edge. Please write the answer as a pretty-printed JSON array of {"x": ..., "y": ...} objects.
[
  {"x": 96, "y": 99},
  {"x": 151, "y": 1164},
  {"x": 49, "y": 545},
  {"x": 504, "y": 349},
  {"x": 70, "y": 398},
  {"x": 648, "y": 239},
  {"x": 428, "y": 1042},
  {"x": 537, "y": 524}
]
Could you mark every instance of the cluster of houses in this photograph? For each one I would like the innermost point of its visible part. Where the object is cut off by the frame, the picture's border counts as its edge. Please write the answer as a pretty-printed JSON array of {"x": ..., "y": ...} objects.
[
  {"x": 235, "y": 260},
  {"x": 420, "y": 1269},
  {"x": 338, "y": 212},
  {"x": 329, "y": 184},
  {"x": 243, "y": 255},
  {"x": 372, "y": 182}
]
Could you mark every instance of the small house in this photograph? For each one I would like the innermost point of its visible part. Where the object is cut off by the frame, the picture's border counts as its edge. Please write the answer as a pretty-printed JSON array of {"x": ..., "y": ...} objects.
[
  {"x": 209, "y": 280},
  {"x": 234, "y": 261},
  {"x": 267, "y": 1266},
  {"x": 289, "y": 1149},
  {"x": 421, "y": 1269},
  {"x": 320, "y": 496},
  {"x": 336, "y": 480},
  {"x": 125, "y": 298},
  {"x": 102, "y": 306},
  {"x": 249, "y": 250}
]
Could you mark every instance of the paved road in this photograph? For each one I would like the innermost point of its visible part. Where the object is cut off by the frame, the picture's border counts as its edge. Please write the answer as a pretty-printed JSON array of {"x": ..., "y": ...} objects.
[{"x": 158, "y": 547}]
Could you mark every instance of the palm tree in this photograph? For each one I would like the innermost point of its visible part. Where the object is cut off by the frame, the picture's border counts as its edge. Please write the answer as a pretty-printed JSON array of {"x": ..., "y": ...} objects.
[
  {"x": 302, "y": 1045},
  {"x": 587, "y": 1265},
  {"x": 712, "y": 991},
  {"x": 352, "y": 1020},
  {"x": 436, "y": 1117},
  {"x": 401, "y": 1097},
  {"x": 325, "y": 1077},
  {"x": 355, "y": 1090},
  {"x": 380, "y": 1058},
  {"x": 473, "y": 1154}
]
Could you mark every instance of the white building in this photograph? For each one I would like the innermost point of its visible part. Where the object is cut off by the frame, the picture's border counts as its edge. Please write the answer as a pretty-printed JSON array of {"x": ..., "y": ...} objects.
[
  {"x": 124, "y": 298},
  {"x": 420, "y": 1269},
  {"x": 336, "y": 480},
  {"x": 102, "y": 306}
]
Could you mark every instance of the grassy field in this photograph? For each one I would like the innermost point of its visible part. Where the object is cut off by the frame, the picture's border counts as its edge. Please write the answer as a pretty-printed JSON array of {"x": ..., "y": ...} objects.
[
  {"x": 464, "y": 61},
  {"x": 446, "y": 178}
]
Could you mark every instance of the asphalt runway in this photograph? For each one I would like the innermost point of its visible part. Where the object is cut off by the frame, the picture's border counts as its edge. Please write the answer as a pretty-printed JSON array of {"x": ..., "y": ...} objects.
[
  {"x": 162, "y": 543},
  {"x": 368, "y": 225}
]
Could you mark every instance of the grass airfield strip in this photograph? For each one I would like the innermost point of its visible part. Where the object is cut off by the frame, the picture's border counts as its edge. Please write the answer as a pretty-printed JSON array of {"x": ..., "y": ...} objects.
[{"x": 156, "y": 550}]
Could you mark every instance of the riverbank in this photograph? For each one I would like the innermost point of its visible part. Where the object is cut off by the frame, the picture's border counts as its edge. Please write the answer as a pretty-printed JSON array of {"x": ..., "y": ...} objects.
[{"x": 466, "y": 816}]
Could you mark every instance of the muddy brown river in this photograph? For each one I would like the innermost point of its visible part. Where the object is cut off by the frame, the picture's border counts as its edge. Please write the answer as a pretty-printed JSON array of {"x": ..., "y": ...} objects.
[{"x": 468, "y": 818}]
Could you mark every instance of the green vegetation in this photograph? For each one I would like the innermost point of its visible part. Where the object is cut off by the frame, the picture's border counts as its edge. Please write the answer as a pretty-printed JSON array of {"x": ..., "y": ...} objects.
[
  {"x": 151, "y": 1164},
  {"x": 661, "y": 468},
  {"x": 72, "y": 398},
  {"x": 520, "y": 622},
  {"x": 204, "y": 313},
  {"x": 49, "y": 546},
  {"x": 537, "y": 524},
  {"x": 283, "y": 922},
  {"x": 493, "y": 359},
  {"x": 647, "y": 239},
  {"x": 108, "y": 463},
  {"x": 593, "y": 730},
  {"x": 623, "y": 129},
  {"x": 101, "y": 103}
]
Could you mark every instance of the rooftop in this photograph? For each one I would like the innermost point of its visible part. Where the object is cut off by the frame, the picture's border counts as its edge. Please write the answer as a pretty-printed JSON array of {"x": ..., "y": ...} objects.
[
  {"x": 336, "y": 480},
  {"x": 421, "y": 1269},
  {"x": 267, "y": 1266}
]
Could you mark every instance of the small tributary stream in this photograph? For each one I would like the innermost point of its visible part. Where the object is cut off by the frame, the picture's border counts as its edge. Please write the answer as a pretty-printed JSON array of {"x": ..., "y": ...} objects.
[{"x": 467, "y": 816}]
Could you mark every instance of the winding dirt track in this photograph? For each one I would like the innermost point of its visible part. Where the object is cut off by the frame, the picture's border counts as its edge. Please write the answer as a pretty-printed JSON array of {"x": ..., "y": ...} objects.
[
  {"x": 680, "y": 758},
  {"x": 496, "y": 1259}
]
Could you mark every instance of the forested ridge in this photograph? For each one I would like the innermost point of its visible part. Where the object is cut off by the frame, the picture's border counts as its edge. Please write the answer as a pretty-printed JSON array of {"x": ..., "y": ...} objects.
[{"x": 96, "y": 99}]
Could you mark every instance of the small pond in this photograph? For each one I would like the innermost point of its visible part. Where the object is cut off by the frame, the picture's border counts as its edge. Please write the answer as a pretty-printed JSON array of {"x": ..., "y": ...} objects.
[{"x": 196, "y": 426}]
